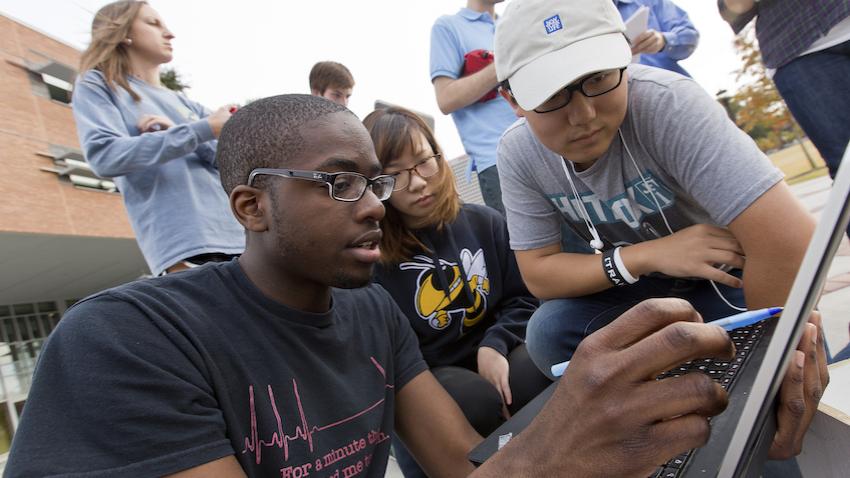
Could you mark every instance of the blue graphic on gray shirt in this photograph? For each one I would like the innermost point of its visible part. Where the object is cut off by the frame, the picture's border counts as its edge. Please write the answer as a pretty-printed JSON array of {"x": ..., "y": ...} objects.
[{"x": 629, "y": 207}]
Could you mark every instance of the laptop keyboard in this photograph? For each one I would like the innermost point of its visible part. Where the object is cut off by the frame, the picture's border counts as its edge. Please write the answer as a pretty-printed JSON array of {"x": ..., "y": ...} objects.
[{"x": 723, "y": 372}]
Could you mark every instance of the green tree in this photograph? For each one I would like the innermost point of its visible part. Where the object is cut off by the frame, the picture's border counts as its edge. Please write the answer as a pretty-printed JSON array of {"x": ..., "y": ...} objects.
[{"x": 172, "y": 80}]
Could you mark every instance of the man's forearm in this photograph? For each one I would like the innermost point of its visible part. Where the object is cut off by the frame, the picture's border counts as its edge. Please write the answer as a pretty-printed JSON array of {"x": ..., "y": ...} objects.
[
  {"x": 454, "y": 94},
  {"x": 563, "y": 275},
  {"x": 774, "y": 233}
]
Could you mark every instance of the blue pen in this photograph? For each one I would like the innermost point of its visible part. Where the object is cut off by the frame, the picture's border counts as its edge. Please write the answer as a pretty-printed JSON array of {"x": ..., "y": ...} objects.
[
  {"x": 744, "y": 319},
  {"x": 732, "y": 322}
]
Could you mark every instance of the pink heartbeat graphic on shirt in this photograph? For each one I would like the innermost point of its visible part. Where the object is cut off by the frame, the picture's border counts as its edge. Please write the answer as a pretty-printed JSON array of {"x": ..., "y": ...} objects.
[{"x": 302, "y": 432}]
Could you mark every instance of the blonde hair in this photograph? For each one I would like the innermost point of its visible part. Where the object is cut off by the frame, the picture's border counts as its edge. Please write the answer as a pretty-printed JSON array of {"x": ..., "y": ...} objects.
[
  {"x": 393, "y": 130},
  {"x": 107, "y": 51}
]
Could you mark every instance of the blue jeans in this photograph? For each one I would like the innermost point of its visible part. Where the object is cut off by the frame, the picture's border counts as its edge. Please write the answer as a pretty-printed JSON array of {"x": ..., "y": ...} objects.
[
  {"x": 817, "y": 91},
  {"x": 556, "y": 328},
  {"x": 491, "y": 189}
]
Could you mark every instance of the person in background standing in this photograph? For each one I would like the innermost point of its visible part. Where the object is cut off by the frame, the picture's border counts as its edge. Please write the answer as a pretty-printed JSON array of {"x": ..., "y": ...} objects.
[
  {"x": 332, "y": 81},
  {"x": 805, "y": 46},
  {"x": 157, "y": 145},
  {"x": 464, "y": 80}
]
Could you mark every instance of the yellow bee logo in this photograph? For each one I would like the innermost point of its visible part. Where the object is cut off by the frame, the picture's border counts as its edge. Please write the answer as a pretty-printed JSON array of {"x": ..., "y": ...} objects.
[{"x": 439, "y": 305}]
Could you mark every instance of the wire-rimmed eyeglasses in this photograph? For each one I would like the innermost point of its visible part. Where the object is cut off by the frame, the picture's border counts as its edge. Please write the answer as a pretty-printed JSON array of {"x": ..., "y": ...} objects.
[{"x": 345, "y": 186}]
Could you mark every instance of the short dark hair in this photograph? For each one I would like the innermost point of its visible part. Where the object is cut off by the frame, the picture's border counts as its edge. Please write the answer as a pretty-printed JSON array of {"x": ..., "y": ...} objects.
[
  {"x": 267, "y": 134},
  {"x": 330, "y": 74}
]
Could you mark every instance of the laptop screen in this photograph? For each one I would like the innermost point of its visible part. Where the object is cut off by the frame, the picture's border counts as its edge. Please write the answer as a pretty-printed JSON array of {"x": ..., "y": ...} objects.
[{"x": 801, "y": 300}]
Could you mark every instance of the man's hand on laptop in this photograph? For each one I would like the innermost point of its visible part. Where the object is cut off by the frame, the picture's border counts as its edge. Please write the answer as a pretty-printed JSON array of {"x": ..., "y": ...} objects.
[
  {"x": 610, "y": 416},
  {"x": 804, "y": 383}
]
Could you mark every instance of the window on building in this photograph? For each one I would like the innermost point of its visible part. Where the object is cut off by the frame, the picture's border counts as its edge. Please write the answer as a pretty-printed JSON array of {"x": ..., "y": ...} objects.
[
  {"x": 58, "y": 89},
  {"x": 25, "y": 326},
  {"x": 57, "y": 78},
  {"x": 23, "y": 330},
  {"x": 70, "y": 165}
]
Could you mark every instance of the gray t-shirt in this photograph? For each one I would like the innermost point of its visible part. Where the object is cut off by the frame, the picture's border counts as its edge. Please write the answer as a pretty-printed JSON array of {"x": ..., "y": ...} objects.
[{"x": 699, "y": 166}]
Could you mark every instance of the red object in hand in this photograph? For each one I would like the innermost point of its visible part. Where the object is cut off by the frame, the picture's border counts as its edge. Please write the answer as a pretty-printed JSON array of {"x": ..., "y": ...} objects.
[
  {"x": 232, "y": 109},
  {"x": 475, "y": 61}
]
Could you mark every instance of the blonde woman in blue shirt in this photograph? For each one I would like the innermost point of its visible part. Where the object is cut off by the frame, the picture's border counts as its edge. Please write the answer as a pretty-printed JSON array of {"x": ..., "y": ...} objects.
[{"x": 157, "y": 145}]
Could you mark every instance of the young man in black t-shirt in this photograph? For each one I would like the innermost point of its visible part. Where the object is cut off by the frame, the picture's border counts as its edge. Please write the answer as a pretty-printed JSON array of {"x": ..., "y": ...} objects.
[{"x": 282, "y": 363}]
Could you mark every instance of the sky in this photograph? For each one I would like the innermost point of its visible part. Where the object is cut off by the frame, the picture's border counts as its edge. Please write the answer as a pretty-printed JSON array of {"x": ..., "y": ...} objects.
[{"x": 231, "y": 52}]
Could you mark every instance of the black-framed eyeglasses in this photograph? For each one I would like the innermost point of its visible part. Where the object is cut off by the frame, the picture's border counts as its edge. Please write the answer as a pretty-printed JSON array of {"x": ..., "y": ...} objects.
[
  {"x": 346, "y": 186},
  {"x": 425, "y": 168},
  {"x": 594, "y": 85}
]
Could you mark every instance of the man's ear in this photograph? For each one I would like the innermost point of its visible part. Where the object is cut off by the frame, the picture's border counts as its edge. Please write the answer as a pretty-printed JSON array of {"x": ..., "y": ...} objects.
[
  {"x": 506, "y": 94},
  {"x": 316, "y": 92},
  {"x": 250, "y": 206}
]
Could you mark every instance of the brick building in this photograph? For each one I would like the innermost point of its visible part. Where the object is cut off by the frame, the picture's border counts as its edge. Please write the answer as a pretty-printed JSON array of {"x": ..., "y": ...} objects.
[{"x": 64, "y": 233}]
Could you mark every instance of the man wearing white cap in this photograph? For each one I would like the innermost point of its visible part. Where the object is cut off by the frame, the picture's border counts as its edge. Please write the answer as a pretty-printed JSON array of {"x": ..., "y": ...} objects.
[{"x": 642, "y": 164}]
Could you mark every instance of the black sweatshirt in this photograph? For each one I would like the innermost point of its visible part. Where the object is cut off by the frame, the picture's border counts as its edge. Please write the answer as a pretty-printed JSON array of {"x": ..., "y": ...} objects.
[{"x": 475, "y": 298}]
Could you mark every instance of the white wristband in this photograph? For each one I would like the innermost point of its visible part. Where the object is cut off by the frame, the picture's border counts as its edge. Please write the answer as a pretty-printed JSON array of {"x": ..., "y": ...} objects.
[{"x": 621, "y": 268}]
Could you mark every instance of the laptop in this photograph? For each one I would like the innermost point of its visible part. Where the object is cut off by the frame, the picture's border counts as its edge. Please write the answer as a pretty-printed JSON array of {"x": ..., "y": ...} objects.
[{"x": 740, "y": 436}]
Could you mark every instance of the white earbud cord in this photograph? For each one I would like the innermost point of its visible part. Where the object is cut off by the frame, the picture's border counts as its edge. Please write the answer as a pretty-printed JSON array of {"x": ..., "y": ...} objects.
[
  {"x": 596, "y": 242},
  {"x": 658, "y": 205}
]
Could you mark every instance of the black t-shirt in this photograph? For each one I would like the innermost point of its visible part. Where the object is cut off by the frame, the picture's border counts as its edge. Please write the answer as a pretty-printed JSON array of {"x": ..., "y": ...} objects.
[
  {"x": 165, "y": 374},
  {"x": 475, "y": 298}
]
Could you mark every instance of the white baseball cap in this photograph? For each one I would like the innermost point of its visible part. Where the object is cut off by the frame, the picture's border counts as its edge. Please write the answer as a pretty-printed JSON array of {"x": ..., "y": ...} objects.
[{"x": 542, "y": 46}]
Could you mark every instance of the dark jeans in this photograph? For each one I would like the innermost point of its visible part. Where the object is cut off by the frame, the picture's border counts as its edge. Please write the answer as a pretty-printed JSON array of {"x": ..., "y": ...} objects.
[
  {"x": 491, "y": 189},
  {"x": 817, "y": 91},
  {"x": 479, "y": 400},
  {"x": 557, "y": 327}
]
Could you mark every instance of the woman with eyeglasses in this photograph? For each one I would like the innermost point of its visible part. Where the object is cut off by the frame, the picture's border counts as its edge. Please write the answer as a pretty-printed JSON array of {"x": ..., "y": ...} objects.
[
  {"x": 450, "y": 269},
  {"x": 156, "y": 145}
]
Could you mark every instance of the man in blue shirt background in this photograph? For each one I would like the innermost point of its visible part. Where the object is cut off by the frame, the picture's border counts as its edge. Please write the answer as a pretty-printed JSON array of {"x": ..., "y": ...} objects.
[
  {"x": 480, "y": 118},
  {"x": 670, "y": 36}
]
